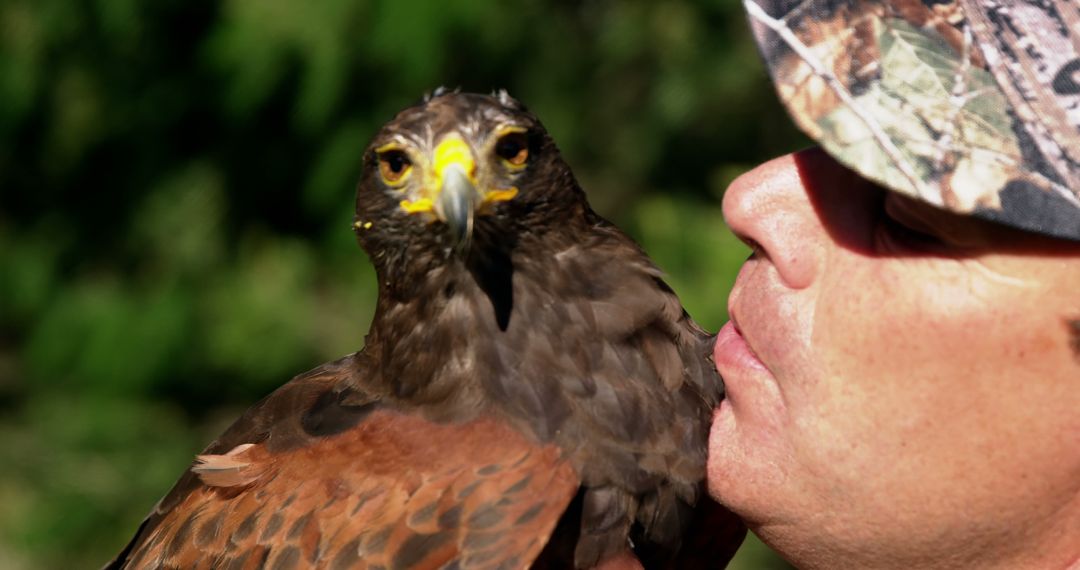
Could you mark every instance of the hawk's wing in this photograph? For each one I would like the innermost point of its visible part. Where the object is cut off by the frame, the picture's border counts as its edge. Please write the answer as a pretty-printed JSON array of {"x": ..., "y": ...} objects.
[{"x": 320, "y": 475}]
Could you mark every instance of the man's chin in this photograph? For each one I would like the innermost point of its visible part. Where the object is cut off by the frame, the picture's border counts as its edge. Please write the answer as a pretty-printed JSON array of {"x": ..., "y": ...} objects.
[{"x": 744, "y": 469}]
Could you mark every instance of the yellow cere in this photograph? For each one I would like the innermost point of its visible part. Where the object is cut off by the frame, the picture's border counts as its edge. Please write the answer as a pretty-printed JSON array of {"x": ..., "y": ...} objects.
[
  {"x": 453, "y": 150},
  {"x": 500, "y": 195},
  {"x": 421, "y": 205}
]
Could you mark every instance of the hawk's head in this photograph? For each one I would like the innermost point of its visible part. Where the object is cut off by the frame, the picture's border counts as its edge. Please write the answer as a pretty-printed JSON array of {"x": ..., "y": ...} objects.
[{"x": 458, "y": 167}]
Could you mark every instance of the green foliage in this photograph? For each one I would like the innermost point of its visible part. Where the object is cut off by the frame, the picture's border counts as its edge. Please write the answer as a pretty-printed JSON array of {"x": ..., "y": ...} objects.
[{"x": 176, "y": 182}]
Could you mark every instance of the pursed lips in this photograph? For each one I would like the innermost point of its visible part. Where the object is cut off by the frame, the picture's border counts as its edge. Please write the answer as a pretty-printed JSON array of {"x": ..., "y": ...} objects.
[
  {"x": 736, "y": 355},
  {"x": 735, "y": 323},
  {"x": 750, "y": 270}
]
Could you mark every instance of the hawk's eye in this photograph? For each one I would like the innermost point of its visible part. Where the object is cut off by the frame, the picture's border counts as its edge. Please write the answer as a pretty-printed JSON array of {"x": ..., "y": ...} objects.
[
  {"x": 513, "y": 147},
  {"x": 394, "y": 164}
]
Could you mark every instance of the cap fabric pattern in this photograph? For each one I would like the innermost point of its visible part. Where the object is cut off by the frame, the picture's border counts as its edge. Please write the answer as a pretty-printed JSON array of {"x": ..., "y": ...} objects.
[{"x": 971, "y": 105}]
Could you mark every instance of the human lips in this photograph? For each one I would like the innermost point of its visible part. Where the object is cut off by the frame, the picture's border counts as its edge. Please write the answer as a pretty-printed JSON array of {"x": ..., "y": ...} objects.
[
  {"x": 732, "y": 352},
  {"x": 750, "y": 384}
]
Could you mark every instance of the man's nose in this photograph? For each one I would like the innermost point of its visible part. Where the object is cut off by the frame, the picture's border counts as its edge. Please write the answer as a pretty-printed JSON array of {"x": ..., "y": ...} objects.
[{"x": 770, "y": 208}]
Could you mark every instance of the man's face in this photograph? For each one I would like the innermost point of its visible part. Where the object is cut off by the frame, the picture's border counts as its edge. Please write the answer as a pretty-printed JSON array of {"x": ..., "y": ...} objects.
[{"x": 903, "y": 387}]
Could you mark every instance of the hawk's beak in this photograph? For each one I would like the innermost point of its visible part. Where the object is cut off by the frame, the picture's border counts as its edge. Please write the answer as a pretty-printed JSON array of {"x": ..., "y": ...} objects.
[
  {"x": 457, "y": 203},
  {"x": 458, "y": 197}
]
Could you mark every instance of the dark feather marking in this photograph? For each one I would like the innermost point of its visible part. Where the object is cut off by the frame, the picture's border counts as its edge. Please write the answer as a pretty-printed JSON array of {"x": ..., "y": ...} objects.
[
  {"x": 480, "y": 540},
  {"x": 530, "y": 514},
  {"x": 468, "y": 490},
  {"x": 287, "y": 559},
  {"x": 488, "y": 470},
  {"x": 272, "y": 526},
  {"x": 210, "y": 529},
  {"x": 524, "y": 482},
  {"x": 182, "y": 534},
  {"x": 376, "y": 542},
  {"x": 521, "y": 460},
  {"x": 451, "y": 517},
  {"x": 298, "y": 526},
  {"x": 419, "y": 546},
  {"x": 485, "y": 517},
  {"x": 424, "y": 514},
  {"x": 329, "y": 416},
  {"x": 246, "y": 527},
  {"x": 348, "y": 556},
  {"x": 234, "y": 562}
]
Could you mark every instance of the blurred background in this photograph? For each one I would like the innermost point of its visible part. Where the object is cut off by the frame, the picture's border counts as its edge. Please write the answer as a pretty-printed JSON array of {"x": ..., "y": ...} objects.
[{"x": 176, "y": 186}]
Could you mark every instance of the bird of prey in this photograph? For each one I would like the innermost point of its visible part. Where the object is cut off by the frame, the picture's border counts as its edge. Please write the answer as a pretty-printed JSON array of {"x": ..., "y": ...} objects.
[{"x": 530, "y": 392}]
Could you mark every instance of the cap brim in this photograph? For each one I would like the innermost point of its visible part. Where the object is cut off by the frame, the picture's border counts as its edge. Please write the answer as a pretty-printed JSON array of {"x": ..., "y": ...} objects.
[{"x": 962, "y": 106}]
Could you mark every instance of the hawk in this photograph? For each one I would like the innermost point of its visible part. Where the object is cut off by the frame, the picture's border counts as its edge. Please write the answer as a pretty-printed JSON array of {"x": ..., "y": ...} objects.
[{"x": 530, "y": 392}]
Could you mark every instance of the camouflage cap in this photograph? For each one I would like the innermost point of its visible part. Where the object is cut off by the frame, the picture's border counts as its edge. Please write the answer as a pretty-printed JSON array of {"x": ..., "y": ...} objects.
[{"x": 971, "y": 105}]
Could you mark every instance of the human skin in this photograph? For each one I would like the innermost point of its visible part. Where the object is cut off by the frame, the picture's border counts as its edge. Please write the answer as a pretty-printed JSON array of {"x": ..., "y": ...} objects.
[{"x": 896, "y": 397}]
